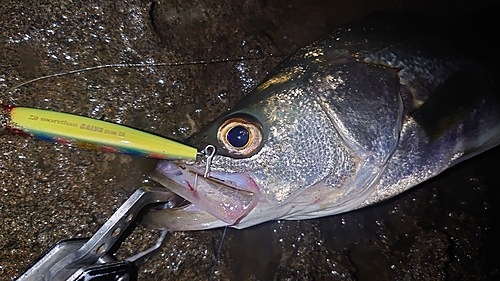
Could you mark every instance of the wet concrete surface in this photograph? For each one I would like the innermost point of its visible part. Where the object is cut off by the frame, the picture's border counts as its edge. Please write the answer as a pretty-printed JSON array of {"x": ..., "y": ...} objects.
[{"x": 444, "y": 229}]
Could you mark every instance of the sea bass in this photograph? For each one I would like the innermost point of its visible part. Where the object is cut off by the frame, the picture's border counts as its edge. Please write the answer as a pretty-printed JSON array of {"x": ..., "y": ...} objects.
[{"x": 352, "y": 119}]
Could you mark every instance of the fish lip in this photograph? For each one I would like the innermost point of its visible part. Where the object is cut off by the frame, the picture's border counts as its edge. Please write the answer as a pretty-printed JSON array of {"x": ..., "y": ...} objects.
[
  {"x": 228, "y": 196},
  {"x": 219, "y": 178}
]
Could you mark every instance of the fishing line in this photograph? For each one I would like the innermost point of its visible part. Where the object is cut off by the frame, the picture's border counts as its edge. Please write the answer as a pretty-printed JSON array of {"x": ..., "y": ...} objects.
[
  {"x": 120, "y": 65},
  {"x": 217, "y": 254}
]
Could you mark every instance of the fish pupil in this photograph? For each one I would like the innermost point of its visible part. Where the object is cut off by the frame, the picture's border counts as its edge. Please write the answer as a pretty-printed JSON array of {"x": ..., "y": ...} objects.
[{"x": 238, "y": 136}]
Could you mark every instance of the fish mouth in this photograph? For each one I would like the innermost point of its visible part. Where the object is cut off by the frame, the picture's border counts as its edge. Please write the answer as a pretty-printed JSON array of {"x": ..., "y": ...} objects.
[{"x": 226, "y": 196}]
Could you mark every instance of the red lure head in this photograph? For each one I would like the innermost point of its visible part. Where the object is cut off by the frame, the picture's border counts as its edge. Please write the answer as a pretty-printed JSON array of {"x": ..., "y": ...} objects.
[{"x": 6, "y": 122}]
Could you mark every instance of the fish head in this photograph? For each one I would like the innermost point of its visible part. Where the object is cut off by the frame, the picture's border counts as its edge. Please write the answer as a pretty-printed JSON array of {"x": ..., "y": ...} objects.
[
  {"x": 352, "y": 119},
  {"x": 278, "y": 156}
]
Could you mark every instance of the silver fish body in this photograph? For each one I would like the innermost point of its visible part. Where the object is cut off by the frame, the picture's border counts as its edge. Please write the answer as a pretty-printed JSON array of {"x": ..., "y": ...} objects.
[{"x": 352, "y": 119}]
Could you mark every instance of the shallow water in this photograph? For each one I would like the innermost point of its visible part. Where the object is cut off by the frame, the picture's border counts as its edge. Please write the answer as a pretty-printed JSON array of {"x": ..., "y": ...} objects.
[{"x": 444, "y": 229}]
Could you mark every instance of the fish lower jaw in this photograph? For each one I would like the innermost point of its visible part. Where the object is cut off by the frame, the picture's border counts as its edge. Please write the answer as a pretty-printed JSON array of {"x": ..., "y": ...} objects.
[
  {"x": 185, "y": 218},
  {"x": 219, "y": 195}
]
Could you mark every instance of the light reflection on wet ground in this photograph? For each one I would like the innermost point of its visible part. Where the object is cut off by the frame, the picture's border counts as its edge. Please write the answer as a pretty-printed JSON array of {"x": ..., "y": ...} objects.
[{"x": 442, "y": 230}]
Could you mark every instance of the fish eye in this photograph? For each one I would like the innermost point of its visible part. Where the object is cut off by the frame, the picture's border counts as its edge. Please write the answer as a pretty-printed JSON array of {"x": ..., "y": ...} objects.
[{"x": 240, "y": 136}]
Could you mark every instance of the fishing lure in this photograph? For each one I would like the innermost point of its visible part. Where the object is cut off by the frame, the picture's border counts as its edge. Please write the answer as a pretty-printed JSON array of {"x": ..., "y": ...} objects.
[{"x": 80, "y": 131}]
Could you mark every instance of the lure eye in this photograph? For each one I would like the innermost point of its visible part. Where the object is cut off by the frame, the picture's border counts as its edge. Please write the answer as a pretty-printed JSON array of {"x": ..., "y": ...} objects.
[{"x": 240, "y": 136}]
